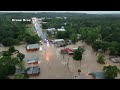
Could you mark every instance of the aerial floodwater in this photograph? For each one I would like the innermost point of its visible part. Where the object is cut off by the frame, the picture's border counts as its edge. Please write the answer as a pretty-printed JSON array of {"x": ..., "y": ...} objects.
[{"x": 60, "y": 45}]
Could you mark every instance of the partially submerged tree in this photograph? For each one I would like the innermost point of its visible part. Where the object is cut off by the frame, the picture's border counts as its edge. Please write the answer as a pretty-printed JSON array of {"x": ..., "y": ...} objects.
[
  {"x": 101, "y": 59},
  {"x": 11, "y": 49},
  {"x": 7, "y": 66},
  {"x": 111, "y": 71},
  {"x": 21, "y": 56},
  {"x": 77, "y": 55}
]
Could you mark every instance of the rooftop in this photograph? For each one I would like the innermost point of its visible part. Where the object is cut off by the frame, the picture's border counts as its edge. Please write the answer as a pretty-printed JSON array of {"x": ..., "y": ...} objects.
[
  {"x": 98, "y": 75},
  {"x": 57, "y": 40},
  {"x": 61, "y": 29},
  {"x": 34, "y": 59},
  {"x": 33, "y": 70},
  {"x": 32, "y": 46}
]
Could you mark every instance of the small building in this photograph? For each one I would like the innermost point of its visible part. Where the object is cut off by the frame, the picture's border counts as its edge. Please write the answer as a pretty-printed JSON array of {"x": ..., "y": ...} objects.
[
  {"x": 61, "y": 29},
  {"x": 67, "y": 51},
  {"x": 98, "y": 75},
  {"x": 51, "y": 29},
  {"x": 59, "y": 42},
  {"x": 32, "y": 47},
  {"x": 33, "y": 60},
  {"x": 20, "y": 71},
  {"x": 33, "y": 71}
]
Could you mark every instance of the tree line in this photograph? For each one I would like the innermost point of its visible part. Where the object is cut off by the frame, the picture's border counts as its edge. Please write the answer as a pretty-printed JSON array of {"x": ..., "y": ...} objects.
[{"x": 12, "y": 33}]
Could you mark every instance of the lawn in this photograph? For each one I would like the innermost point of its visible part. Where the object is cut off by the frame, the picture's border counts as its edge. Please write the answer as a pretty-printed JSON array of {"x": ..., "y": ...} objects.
[{"x": 30, "y": 29}]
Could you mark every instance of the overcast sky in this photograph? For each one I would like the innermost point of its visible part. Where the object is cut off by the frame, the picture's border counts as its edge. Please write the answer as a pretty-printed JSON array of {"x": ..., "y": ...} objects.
[{"x": 89, "y": 12}]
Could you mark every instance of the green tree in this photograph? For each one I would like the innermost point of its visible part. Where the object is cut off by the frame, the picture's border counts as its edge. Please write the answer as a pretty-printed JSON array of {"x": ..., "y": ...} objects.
[
  {"x": 114, "y": 48},
  {"x": 11, "y": 49},
  {"x": 21, "y": 56},
  {"x": 21, "y": 76},
  {"x": 20, "y": 37},
  {"x": 101, "y": 59},
  {"x": 77, "y": 55},
  {"x": 32, "y": 39},
  {"x": 111, "y": 71},
  {"x": 7, "y": 66},
  {"x": 74, "y": 38},
  {"x": 100, "y": 45},
  {"x": 6, "y": 53},
  {"x": 8, "y": 41}
]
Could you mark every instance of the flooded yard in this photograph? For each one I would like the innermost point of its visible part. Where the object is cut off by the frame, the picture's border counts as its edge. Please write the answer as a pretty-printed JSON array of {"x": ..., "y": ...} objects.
[{"x": 53, "y": 65}]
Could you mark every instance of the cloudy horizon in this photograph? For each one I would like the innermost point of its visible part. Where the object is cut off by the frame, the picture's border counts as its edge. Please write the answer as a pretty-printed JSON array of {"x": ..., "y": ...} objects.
[{"x": 88, "y": 12}]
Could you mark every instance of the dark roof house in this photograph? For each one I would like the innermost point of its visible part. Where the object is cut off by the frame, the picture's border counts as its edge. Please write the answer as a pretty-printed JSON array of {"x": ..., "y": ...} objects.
[
  {"x": 33, "y": 60},
  {"x": 98, "y": 75},
  {"x": 33, "y": 70},
  {"x": 19, "y": 71}
]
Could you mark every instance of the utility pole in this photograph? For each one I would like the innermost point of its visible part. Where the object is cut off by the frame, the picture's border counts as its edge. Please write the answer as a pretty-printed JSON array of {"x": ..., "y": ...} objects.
[
  {"x": 79, "y": 70},
  {"x": 68, "y": 68}
]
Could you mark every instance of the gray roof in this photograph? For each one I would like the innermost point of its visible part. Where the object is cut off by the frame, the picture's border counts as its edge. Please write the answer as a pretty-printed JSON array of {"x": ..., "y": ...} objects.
[
  {"x": 32, "y": 46},
  {"x": 33, "y": 70},
  {"x": 33, "y": 59},
  {"x": 19, "y": 71},
  {"x": 98, "y": 75}
]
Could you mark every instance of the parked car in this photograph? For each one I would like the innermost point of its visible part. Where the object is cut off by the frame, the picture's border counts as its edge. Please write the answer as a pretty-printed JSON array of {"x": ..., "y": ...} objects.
[{"x": 67, "y": 51}]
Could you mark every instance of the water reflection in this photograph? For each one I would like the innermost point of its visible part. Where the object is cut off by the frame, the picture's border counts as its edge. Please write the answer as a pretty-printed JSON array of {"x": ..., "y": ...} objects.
[{"x": 47, "y": 57}]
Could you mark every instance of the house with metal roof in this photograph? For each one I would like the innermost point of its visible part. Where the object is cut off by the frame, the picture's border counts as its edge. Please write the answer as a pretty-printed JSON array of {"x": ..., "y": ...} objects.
[
  {"x": 98, "y": 75},
  {"x": 59, "y": 42},
  {"x": 33, "y": 60},
  {"x": 32, "y": 47},
  {"x": 33, "y": 70}
]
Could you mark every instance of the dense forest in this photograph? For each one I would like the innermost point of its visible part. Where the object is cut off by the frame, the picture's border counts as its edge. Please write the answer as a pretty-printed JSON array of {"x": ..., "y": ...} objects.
[
  {"x": 101, "y": 31},
  {"x": 12, "y": 33}
]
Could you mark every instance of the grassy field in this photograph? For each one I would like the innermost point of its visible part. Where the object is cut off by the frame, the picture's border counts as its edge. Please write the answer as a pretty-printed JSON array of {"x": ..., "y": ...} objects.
[{"x": 30, "y": 30}]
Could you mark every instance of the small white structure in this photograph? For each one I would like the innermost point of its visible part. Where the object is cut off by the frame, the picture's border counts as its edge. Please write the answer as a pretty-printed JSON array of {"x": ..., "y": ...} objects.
[
  {"x": 59, "y": 17},
  {"x": 65, "y": 23},
  {"x": 44, "y": 22},
  {"x": 65, "y": 17},
  {"x": 51, "y": 29},
  {"x": 61, "y": 29}
]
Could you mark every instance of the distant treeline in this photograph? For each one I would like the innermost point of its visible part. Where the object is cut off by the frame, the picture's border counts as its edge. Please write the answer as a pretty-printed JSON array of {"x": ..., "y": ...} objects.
[
  {"x": 12, "y": 33},
  {"x": 52, "y": 15}
]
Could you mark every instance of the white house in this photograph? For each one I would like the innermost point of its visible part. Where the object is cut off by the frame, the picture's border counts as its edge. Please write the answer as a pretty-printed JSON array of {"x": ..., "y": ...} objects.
[{"x": 61, "y": 29}]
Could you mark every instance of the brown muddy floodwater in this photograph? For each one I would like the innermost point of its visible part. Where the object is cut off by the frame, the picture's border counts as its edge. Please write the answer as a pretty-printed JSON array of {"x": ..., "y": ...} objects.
[{"x": 53, "y": 65}]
